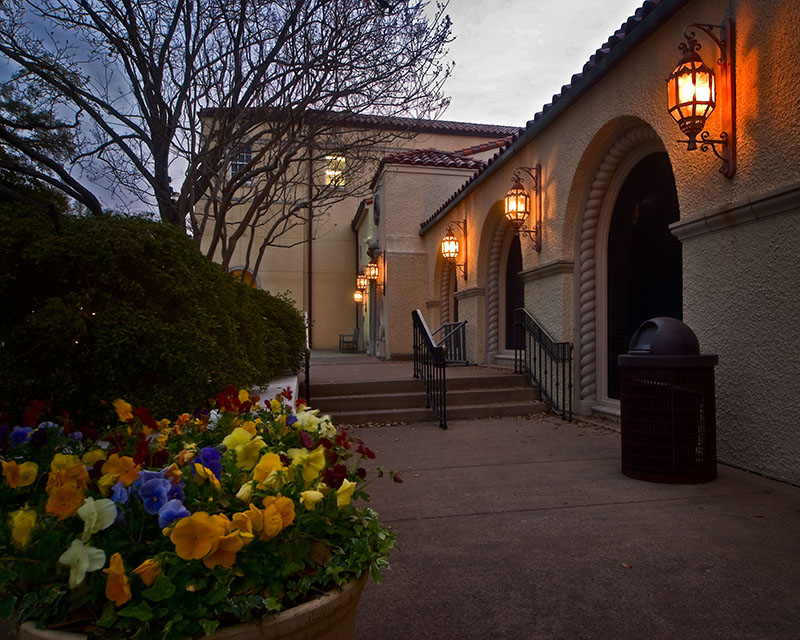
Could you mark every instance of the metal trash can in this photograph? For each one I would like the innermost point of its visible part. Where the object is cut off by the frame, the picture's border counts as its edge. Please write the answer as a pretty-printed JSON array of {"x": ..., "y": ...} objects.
[{"x": 667, "y": 404}]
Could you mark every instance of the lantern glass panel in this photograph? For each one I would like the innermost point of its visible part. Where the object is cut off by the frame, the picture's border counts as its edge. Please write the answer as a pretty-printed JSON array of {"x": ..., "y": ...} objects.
[{"x": 450, "y": 247}]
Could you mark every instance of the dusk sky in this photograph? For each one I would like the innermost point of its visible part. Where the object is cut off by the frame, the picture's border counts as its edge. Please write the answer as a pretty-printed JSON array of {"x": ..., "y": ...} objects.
[{"x": 512, "y": 56}]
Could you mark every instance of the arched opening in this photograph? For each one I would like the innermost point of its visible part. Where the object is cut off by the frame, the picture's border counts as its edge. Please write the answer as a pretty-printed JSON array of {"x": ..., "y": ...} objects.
[
  {"x": 514, "y": 291},
  {"x": 644, "y": 260}
]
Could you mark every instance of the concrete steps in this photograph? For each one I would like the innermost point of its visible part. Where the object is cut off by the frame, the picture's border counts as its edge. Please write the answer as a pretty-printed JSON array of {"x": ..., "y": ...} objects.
[{"x": 481, "y": 396}]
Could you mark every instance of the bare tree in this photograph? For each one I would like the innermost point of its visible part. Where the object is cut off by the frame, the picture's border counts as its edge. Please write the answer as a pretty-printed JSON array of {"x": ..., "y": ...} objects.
[{"x": 236, "y": 95}]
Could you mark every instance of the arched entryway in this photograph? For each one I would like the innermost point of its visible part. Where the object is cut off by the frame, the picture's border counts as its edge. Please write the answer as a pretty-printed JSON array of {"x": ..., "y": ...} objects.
[
  {"x": 643, "y": 259},
  {"x": 514, "y": 291},
  {"x": 611, "y": 279}
]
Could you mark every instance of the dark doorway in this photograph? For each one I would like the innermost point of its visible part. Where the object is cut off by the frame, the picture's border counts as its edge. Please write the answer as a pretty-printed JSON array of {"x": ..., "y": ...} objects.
[
  {"x": 644, "y": 258},
  {"x": 515, "y": 291}
]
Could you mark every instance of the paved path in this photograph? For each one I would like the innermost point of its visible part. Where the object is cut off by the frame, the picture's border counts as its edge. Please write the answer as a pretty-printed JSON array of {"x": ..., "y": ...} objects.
[{"x": 525, "y": 528}]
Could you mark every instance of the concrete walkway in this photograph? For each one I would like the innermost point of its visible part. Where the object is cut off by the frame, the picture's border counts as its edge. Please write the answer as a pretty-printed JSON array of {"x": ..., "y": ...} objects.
[{"x": 521, "y": 528}]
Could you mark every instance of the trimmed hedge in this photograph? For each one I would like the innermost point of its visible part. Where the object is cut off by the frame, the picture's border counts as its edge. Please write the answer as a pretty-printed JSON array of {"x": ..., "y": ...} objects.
[{"x": 101, "y": 308}]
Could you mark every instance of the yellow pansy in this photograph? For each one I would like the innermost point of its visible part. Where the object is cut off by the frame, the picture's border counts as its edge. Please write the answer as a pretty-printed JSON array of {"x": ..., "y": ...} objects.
[
  {"x": 275, "y": 404},
  {"x": 244, "y": 395},
  {"x": 345, "y": 493},
  {"x": 20, "y": 475},
  {"x": 237, "y": 437},
  {"x": 205, "y": 473},
  {"x": 247, "y": 454},
  {"x": 245, "y": 492},
  {"x": 311, "y": 498},
  {"x": 250, "y": 427},
  {"x": 22, "y": 523},
  {"x": 148, "y": 571},
  {"x": 91, "y": 458},
  {"x": 267, "y": 470},
  {"x": 312, "y": 462},
  {"x": 123, "y": 409}
]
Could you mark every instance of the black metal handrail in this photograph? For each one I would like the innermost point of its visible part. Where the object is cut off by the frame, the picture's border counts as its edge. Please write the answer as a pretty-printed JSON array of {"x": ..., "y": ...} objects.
[
  {"x": 454, "y": 341},
  {"x": 547, "y": 362},
  {"x": 429, "y": 366}
]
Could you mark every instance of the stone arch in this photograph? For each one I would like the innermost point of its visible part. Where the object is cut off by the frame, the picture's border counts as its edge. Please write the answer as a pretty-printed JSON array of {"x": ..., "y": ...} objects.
[
  {"x": 495, "y": 241},
  {"x": 623, "y": 154}
]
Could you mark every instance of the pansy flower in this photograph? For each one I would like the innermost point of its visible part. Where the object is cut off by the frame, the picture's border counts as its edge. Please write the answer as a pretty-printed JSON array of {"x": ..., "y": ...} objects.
[
  {"x": 148, "y": 571},
  {"x": 22, "y": 523},
  {"x": 118, "y": 588},
  {"x": 153, "y": 494},
  {"x": 19, "y": 436},
  {"x": 196, "y": 535},
  {"x": 80, "y": 559},
  {"x": 210, "y": 459},
  {"x": 96, "y": 515},
  {"x": 171, "y": 511},
  {"x": 19, "y": 475}
]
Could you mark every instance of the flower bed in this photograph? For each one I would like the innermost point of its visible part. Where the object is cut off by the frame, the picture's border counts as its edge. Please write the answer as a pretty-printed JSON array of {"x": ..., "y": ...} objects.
[{"x": 173, "y": 528}]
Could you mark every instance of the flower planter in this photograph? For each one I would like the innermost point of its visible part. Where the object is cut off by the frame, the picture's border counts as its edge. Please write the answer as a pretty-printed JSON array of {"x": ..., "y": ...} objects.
[{"x": 331, "y": 616}]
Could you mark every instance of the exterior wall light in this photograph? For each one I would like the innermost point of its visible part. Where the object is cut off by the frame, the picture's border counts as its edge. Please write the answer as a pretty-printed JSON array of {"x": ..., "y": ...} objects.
[
  {"x": 362, "y": 282},
  {"x": 373, "y": 273},
  {"x": 518, "y": 205},
  {"x": 694, "y": 92},
  {"x": 358, "y": 296},
  {"x": 450, "y": 247}
]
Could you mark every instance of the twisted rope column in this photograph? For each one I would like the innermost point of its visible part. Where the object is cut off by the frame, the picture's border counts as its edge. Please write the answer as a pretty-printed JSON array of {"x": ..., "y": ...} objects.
[
  {"x": 493, "y": 290},
  {"x": 588, "y": 258}
]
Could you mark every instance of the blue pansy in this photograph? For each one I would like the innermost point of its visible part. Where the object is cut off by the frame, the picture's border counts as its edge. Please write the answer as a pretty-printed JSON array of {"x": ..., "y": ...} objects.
[
  {"x": 170, "y": 512},
  {"x": 290, "y": 420},
  {"x": 119, "y": 493},
  {"x": 19, "y": 435},
  {"x": 154, "y": 494}
]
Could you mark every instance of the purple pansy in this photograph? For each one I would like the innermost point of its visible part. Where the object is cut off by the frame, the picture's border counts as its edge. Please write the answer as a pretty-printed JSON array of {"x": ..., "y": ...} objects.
[{"x": 210, "y": 459}]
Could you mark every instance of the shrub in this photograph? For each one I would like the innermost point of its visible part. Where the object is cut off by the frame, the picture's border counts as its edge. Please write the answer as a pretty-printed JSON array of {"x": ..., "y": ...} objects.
[{"x": 98, "y": 308}]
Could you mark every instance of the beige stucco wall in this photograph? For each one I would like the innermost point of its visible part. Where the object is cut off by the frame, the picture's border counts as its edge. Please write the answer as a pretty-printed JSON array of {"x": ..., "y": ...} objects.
[{"x": 740, "y": 283}]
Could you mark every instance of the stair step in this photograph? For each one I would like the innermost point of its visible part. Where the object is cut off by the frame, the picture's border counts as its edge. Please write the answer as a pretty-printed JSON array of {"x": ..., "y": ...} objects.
[
  {"x": 381, "y": 401},
  {"x": 469, "y": 396},
  {"x": 336, "y": 389},
  {"x": 463, "y": 412}
]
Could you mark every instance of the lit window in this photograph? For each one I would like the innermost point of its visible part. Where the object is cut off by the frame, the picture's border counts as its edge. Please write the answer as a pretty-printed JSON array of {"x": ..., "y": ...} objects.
[
  {"x": 241, "y": 161},
  {"x": 334, "y": 170},
  {"x": 244, "y": 276}
]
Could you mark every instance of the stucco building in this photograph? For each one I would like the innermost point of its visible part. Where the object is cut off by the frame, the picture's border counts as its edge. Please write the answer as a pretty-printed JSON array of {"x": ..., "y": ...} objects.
[{"x": 631, "y": 223}]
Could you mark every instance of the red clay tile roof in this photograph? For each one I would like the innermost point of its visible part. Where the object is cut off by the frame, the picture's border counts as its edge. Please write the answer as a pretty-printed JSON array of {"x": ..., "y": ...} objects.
[
  {"x": 486, "y": 146},
  {"x": 429, "y": 158},
  {"x": 618, "y": 46}
]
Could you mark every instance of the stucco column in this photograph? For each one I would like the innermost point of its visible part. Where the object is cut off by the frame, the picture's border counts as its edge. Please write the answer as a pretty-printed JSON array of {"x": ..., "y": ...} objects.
[{"x": 471, "y": 307}]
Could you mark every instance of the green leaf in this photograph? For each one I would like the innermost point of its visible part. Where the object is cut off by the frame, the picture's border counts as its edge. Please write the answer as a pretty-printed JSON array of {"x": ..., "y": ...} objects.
[
  {"x": 161, "y": 590},
  {"x": 109, "y": 616},
  {"x": 209, "y": 626},
  {"x": 140, "y": 611}
]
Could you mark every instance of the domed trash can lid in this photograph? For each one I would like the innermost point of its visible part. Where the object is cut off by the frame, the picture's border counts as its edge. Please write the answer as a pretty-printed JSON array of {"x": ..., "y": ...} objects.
[{"x": 664, "y": 336}]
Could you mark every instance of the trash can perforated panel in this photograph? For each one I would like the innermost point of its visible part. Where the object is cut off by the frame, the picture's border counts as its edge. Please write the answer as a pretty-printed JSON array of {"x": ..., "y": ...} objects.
[{"x": 668, "y": 423}]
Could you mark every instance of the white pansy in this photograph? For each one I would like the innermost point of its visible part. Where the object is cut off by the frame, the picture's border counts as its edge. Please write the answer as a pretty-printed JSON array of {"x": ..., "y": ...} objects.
[
  {"x": 97, "y": 515},
  {"x": 80, "y": 559}
]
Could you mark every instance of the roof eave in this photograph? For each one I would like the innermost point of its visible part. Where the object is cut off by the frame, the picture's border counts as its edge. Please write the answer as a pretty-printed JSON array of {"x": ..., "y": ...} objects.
[{"x": 653, "y": 21}]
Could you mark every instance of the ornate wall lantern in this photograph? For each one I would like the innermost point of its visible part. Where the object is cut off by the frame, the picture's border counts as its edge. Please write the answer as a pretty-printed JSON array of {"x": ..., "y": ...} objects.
[
  {"x": 375, "y": 274},
  {"x": 450, "y": 247},
  {"x": 694, "y": 92},
  {"x": 362, "y": 282},
  {"x": 358, "y": 296},
  {"x": 518, "y": 205}
]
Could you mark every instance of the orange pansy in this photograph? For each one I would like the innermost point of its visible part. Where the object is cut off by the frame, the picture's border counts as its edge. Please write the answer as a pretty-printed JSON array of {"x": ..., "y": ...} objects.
[
  {"x": 64, "y": 501},
  {"x": 118, "y": 588}
]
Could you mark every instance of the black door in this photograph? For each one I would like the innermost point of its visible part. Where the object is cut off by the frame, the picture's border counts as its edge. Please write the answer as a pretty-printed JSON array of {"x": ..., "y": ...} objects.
[
  {"x": 644, "y": 258},
  {"x": 515, "y": 291}
]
